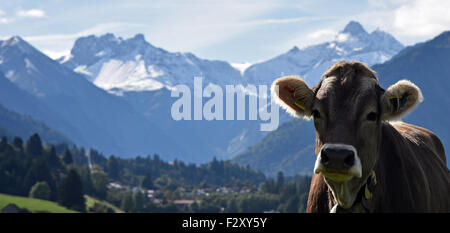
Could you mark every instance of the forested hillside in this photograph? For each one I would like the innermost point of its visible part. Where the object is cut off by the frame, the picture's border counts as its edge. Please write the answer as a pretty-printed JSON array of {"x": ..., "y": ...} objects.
[
  {"x": 66, "y": 175},
  {"x": 25, "y": 126}
]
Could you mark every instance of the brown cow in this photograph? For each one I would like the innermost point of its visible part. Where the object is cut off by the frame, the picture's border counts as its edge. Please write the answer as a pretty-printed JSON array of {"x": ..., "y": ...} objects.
[{"x": 365, "y": 161}]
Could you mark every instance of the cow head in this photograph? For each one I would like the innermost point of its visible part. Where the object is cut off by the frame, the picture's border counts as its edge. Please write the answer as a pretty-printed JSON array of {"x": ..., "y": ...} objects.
[{"x": 348, "y": 108}]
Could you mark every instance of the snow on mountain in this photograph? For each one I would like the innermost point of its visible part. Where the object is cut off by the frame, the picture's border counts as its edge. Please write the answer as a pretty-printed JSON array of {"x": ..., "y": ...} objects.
[
  {"x": 241, "y": 66},
  {"x": 352, "y": 43},
  {"x": 62, "y": 95},
  {"x": 141, "y": 74},
  {"x": 88, "y": 115},
  {"x": 136, "y": 65}
]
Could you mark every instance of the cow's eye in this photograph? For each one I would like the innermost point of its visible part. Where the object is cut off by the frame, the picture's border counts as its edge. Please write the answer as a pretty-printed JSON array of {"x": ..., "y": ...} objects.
[
  {"x": 316, "y": 114},
  {"x": 372, "y": 116}
]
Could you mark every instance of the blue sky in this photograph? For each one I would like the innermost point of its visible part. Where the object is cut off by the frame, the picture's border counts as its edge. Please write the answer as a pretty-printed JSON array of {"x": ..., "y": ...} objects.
[{"x": 234, "y": 30}]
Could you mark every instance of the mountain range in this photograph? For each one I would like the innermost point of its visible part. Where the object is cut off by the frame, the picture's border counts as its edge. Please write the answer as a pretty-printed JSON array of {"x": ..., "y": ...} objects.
[
  {"x": 352, "y": 43},
  {"x": 143, "y": 75},
  {"x": 136, "y": 65},
  {"x": 425, "y": 64},
  {"x": 13, "y": 124},
  {"x": 114, "y": 94},
  {"x": 85, "y": 113}
]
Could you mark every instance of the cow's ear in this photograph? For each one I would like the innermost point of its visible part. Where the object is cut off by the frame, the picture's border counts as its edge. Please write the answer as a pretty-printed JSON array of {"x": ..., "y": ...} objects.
[
  {"x": 400, "y": 99},
  {"x": 292, "y": 93}
]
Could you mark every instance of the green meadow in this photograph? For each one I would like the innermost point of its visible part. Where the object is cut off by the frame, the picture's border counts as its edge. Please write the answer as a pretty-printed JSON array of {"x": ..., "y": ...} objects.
[{"x": 32, "y": 204}]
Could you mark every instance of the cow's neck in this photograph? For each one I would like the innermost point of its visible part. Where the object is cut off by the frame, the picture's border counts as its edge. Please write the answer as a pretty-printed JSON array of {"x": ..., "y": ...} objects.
[{"x": 364, "y": 198}]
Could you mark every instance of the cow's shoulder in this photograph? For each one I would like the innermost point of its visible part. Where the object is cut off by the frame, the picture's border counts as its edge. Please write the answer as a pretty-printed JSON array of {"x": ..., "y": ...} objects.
[
  {"x": 421, "y": 137},
  {"x": 412, "y": 159}
]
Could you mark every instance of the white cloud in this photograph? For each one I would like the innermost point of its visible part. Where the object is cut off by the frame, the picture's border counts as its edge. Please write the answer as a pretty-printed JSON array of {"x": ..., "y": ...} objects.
[
  {"x": 322, "y": 34},
  {"x": 409, "y": 21},
  {"x": 422, "y": 18},
  {"x": 202, "y": 24},
  {"x": 315, "y": 37},
  {"x": 32, "y": 13},
  {"x": 183, "y": 26},
  {"x": 4, "y": 20},
  {"x": 342, "y": 37},
  {"x": 193, "y": 26},
  {"x": 176, "y": 26},
  {"x": 305, "y": 39}
]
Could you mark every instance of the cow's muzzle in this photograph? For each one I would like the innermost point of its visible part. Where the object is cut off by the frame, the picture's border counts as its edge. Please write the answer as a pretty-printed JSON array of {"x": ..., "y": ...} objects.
[{"x": 338, "y": 162}]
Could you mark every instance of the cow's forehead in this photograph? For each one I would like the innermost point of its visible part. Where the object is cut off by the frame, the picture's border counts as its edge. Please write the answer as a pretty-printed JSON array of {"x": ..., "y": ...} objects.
[{"x": 331, "y": 85}]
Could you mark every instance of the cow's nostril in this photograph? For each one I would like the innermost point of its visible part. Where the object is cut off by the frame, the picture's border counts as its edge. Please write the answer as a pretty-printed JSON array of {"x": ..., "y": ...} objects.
[
  {"x": 350, "y": 160},
  {"x": 324, "y": 158}
]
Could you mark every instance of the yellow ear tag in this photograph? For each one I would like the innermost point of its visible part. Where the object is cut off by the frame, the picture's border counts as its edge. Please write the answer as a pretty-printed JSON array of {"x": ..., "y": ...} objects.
[
  {"x": 373, "y": 181},
  {"x": 394, "y": 97},
  {"x": 374, "y": 177},
  {"x": 367, "y": 193},
  {"x": 298, "y": 104}
]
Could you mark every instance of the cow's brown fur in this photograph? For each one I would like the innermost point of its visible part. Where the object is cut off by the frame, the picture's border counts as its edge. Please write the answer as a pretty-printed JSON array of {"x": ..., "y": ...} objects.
[
  {"x": 412, "y": 176},
  {"x": 319, "y": 199},
  {"x": 411, "y": 166}
]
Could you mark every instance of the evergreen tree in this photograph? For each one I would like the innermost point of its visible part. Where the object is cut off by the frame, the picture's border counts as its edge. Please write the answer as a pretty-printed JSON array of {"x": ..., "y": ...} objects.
[
  {"x": 269, "y": 186},
  {"x": 40, "y": 190},
  {"x": 71, "y": 192},
  {"x": 34, "y": 145},
  {"x": 17, "y": 143},
  {"x": 67, "y": 158},
  {"x": 38, "y": 171},
  {"x": 127, "y": 203},
  {"x": 194, "y": 208},
  {"x": 291, "y": 206},
  {"x": 86, "y": 180},
  {"x": 147, "y": 182},
  {"x": 53, "y": 159},
  {"x": 139, "y": 201},
  {"x": 3, "y": 143},
  {"x": 113, "y": 168},
  {"x": 232, "y": 206},
  {"x": 100, "y": 183},
  {"x": 280, "y": 180}
]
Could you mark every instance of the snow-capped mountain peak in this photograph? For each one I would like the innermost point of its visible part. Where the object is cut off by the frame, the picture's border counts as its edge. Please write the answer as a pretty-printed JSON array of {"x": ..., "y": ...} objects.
[
  {"x": 136, "y": 65},
  {"x": 19, "y": 63},
  {"x": 17, "y": 42},
  {"x": 87, "y": 114},
  {"x": 355, "y": 29},
  {"x": 11, "y": 41},
  {"x": 351, "y": 43}
]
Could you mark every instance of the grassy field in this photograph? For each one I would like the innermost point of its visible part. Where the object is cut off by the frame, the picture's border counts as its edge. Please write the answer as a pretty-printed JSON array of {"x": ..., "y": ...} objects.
[
  {"x": 32, "y": 204},
  {"x": 90, "y": 201}
]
